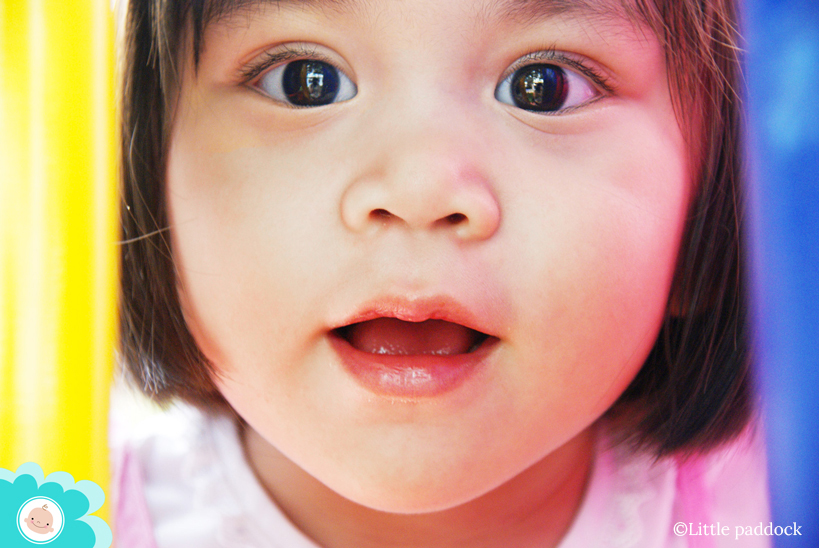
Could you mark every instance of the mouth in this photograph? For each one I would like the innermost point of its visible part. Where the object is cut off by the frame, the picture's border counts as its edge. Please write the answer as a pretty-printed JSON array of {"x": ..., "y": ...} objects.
[
  {"x": 393, "y": 337},
  {"x": 414, "y": 350}
]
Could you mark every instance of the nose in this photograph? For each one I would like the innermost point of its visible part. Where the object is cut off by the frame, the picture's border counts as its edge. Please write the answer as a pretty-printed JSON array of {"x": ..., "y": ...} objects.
[{"x": 424, "y": 184}]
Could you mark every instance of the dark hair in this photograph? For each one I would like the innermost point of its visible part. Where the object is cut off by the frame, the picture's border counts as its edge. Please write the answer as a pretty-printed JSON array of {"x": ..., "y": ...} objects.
[{"x": 693, "y": 390}]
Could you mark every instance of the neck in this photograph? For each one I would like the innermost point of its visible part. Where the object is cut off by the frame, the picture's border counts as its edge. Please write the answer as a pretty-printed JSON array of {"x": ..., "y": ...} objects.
[{"x": 533, "y": 509}]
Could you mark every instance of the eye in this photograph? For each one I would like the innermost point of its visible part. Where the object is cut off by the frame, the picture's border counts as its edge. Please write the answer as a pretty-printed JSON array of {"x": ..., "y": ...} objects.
[
  {"x": 545, "y": 87},
  {"x": 307, "y": 83}
]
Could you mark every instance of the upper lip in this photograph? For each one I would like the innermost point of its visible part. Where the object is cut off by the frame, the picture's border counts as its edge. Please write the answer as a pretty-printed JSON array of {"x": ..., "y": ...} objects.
[{"x": 419, "y": 309}]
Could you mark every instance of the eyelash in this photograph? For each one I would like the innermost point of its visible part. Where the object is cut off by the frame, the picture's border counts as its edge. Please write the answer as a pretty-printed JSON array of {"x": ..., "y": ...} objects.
[
  {"x": 282, "y": 55},
  {"x": 294, "y": 52},
  {"x": 551, "y": 55}
]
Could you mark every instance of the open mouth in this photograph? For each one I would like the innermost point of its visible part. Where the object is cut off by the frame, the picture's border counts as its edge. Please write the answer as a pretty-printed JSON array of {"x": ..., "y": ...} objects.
[
  {"x": 393, "y": 337},
  {"x": 414, "y": 349}
]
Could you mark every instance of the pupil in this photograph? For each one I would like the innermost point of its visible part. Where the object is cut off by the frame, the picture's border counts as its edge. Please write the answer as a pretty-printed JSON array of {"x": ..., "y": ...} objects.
[
  {"x": 539, "y": 87},
  {"x": 310, "y": 83}
]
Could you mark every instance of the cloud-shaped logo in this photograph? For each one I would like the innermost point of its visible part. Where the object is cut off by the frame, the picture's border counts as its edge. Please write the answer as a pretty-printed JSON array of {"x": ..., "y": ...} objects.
[{"x": 50, "y": 511}]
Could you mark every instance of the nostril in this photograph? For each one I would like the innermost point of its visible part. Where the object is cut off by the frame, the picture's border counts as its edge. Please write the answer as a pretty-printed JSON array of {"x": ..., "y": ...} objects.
[
  {"x": 380, "y": 214},
  {"x": 455, "y": 218}
]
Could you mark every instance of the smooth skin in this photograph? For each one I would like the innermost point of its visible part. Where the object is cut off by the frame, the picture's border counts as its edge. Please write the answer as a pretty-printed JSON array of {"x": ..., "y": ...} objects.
[{"x": 559, "y": 231}]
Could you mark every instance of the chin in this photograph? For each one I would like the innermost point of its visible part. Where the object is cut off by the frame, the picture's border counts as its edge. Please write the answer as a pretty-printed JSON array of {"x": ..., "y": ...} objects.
[
  {"x": 397, "y": 498},
  {"x": 434, "y": 486}
]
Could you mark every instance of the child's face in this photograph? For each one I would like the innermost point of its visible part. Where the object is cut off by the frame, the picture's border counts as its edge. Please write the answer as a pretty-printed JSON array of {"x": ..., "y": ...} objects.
[{"x": 425, "y": 189}]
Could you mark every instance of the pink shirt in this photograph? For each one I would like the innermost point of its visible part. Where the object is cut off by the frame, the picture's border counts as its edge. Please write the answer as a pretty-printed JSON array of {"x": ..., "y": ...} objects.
[{"x": 183, "y": 482}]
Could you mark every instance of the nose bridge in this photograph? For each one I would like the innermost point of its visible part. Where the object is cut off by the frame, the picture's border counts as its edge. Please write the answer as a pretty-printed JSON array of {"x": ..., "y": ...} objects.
[
  {"x": 427, "y": 170},
  {"x": 426, "y": 173}
]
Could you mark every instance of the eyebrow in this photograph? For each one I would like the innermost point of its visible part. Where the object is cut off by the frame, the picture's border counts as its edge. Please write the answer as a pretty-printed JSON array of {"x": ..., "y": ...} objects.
[{"x": 528, "y": 10}]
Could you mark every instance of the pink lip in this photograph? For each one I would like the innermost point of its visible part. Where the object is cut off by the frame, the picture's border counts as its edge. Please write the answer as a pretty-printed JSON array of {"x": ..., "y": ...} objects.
[
  {"x": 414, "y": 376},
  {"x": 421, "y": 309}
]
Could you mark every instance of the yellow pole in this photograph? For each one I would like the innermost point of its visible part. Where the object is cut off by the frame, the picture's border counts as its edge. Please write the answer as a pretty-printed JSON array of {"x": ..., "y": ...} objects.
[{"x": 58, "y": 229}]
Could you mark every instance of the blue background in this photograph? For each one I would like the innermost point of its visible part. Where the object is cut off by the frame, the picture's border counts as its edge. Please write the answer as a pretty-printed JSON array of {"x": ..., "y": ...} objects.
[{"x": 783, "y": 83}]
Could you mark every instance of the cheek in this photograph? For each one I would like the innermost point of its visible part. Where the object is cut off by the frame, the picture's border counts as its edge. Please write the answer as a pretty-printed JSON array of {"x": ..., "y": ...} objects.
[
  {"x": 602, "y": 231},
  {"x": 253, "y": 237},
  {"x": 235, "y": 228}
]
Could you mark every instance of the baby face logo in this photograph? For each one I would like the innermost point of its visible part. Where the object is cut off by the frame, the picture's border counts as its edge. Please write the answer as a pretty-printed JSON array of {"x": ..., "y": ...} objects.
[
  {"x": 40, "y": 519},
  {"x": 55, "y": 511}
]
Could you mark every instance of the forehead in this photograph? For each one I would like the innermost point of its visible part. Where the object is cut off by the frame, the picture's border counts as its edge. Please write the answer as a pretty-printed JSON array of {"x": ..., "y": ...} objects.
[
  {"x": 480, "y": 14},
  {"x": 521, "y": 11}
]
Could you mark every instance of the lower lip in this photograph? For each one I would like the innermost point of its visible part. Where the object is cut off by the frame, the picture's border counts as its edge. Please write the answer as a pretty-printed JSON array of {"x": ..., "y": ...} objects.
[{"x": 417, "y": 376}]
